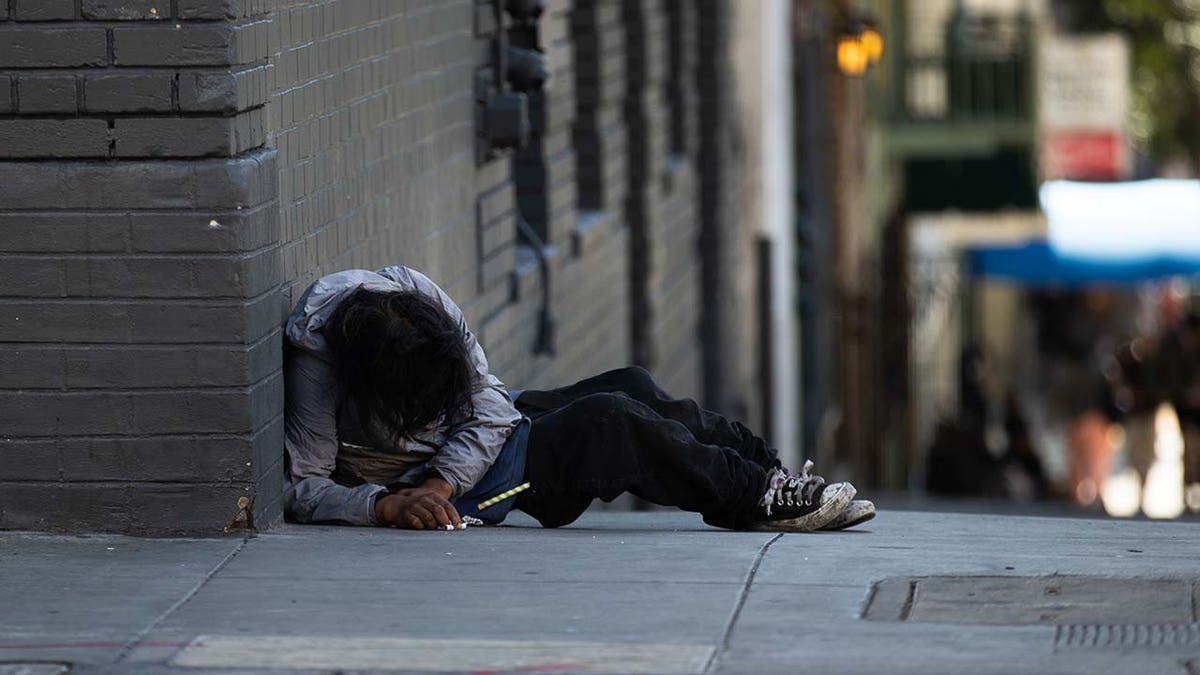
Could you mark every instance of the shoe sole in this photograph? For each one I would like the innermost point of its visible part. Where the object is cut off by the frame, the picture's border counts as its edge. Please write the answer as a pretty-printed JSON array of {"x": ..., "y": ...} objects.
[
  {"x": 866, "y": 512},
  {"x": 829, "y": 509}
]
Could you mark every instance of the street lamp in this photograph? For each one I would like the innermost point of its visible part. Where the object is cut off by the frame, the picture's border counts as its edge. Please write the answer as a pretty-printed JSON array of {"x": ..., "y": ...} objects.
[
  {"x": 859, "y": 46},
  {"x": 872, "y": 43}
]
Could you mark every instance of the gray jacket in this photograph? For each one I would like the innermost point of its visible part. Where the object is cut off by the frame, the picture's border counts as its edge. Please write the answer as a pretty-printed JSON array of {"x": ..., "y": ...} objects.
[{"x": 336, "y": 466}]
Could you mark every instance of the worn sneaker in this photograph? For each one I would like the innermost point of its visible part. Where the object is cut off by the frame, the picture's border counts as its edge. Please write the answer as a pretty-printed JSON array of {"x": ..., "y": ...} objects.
[
  {"x": 801, "y": 502},
  {"x": 857, "y": 512}
]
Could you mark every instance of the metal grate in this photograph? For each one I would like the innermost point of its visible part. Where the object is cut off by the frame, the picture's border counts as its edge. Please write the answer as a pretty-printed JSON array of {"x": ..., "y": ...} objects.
[{"x": 1126, "y": 636}]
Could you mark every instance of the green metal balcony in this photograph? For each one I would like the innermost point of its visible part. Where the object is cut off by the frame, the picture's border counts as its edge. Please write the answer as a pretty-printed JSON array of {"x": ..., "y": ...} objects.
[{"x": 973, "y": 97}]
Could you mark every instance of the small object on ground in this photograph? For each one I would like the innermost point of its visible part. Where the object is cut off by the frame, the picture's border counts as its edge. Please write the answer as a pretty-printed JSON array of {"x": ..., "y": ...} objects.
[
  {"x": 502, "y": 496},
  {"x": 470, "y": 520}
]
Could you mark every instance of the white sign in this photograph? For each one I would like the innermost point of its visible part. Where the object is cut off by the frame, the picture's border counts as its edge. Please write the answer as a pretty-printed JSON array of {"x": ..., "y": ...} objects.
[
  {"x": 1083, "y": 83},
  {"x": 1083, "y": 102}
]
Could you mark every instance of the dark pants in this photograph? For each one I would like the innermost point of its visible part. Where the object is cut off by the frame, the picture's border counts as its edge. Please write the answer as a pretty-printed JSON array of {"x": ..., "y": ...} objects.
[{"x": 619, "y": 432}]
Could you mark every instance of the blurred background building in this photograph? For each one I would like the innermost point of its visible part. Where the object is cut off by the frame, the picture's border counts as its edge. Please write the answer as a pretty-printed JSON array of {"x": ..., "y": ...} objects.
[
  {"x": 856, "y": 225},
  {"x": 595, "y": 183},
  {"x": 1035, "y": 288}
]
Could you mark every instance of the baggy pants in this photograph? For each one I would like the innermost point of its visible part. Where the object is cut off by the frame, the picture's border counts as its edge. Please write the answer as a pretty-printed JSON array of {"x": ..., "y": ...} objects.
[{"x": 619, "y": 432}]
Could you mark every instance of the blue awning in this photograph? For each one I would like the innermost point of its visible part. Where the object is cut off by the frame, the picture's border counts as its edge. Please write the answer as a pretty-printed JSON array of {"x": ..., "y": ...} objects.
[
  {"x": 1104, "y": 233},
  {"x": 1038, "y": 264}
]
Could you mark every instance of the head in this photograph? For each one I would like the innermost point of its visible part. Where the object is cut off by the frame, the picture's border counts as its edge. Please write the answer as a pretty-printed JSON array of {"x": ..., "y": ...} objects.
[{"x": 401, "y": 361}]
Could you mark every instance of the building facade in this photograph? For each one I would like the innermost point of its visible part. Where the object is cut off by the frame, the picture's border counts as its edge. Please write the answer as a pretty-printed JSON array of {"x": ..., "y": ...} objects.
[
  {"x": 174, "y": 174},
  {"x": 951, "y": 140}
]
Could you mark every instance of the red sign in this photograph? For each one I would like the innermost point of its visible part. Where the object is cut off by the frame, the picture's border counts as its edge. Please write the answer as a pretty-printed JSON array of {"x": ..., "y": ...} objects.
[{"x": 1083, "y": 155}]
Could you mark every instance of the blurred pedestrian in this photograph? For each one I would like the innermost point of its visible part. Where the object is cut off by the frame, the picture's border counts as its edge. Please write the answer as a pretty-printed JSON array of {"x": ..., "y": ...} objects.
[
  {"x": 1181, "y": 369},
  {"x": 1138, "y": 390}
]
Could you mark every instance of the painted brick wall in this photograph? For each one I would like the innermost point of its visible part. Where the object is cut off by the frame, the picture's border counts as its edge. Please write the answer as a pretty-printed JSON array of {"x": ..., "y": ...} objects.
[
  {"x": 626, "y": 268},
  {"x": 662, "y": 193},
  {"x": 173, "y": 174},
  {"x": 372, "y": 114},
  {"x": 139, "y": 342},
  {"x": 116, "y": 79},
  {"x": 729, "y": 196}
]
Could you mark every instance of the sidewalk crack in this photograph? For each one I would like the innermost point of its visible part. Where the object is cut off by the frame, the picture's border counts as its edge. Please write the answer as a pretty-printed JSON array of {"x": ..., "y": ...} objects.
[
  {"x": 136, "y": 640},
  {"x": 727, "y": 635}
]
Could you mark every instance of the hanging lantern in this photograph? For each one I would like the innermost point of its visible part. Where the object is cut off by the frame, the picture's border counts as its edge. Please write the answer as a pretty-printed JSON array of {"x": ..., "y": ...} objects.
[
  {"x": 852, "y": 57},
  {"x": 872, "y": 44},
  {"x": 859, "y": 46}
]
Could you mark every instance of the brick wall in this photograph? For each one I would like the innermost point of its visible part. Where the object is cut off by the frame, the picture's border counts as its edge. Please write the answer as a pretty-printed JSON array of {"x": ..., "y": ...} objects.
[
  {"x": 662, "y": 192},
  {"x": 139, "y": 341},
  {"x": 728, "y": 214},
  {"x": 173, "y": 174},
  {"x": 585, "y": 239},
  {"x": 372, "y": 114}
]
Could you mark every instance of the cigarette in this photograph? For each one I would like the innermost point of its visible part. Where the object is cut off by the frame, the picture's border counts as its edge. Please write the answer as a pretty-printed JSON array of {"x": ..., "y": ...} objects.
[{"x": 502, "y": 496}]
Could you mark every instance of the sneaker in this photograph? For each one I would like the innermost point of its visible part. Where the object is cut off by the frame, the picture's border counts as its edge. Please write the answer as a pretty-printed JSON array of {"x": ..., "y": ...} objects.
[
  {"x": 801, "y": 502},
  {"x": 857, "y": 512}
]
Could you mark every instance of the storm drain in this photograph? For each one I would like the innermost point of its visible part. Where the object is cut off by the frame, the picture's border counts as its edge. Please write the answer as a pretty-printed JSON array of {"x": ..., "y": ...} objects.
[
  {"x": 1125, "y": 636},
  {"x": 1023, "y": 601}
]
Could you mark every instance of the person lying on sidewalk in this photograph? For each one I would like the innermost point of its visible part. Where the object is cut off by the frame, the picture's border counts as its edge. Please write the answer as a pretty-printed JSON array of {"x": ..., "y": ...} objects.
[{"x": 392, "y": 418}]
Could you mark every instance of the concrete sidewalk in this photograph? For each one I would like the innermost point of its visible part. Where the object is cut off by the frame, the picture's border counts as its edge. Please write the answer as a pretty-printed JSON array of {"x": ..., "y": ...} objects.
[{"x": 622, "y": 592}]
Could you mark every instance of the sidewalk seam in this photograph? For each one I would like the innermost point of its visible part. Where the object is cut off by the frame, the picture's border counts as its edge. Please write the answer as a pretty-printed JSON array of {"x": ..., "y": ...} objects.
[
  {"x": 727, "y": 635},
  {"x": 141, "y": 635}
]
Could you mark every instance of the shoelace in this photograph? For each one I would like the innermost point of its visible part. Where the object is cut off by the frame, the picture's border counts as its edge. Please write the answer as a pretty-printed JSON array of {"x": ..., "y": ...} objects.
[{"x": 791, "y": 489}]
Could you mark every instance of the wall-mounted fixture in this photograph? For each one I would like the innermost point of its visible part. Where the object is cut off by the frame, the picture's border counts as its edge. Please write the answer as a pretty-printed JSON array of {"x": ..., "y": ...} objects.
[
  {"x": 525, "y": 9},
  {"x": 508, "y": 120},
  {"x": 527, "y": 69},
  {"x": 859, "y": 46},
  {"x": 502, "y": 114}
]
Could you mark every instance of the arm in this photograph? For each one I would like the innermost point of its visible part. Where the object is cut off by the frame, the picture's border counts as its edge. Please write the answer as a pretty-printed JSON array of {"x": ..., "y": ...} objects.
[
  {"x": 311, "y": 440},
  {"x": 473, "y": 445},
  {"x": 310, "y": 428}
]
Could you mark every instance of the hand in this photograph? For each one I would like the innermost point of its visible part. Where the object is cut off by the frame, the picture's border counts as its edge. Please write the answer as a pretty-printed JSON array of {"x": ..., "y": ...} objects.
[{"x": 426, "y": 507}]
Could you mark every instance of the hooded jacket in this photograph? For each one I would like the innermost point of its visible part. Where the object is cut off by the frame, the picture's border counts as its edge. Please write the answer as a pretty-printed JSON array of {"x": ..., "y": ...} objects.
[{"x": 336, "y": 466}]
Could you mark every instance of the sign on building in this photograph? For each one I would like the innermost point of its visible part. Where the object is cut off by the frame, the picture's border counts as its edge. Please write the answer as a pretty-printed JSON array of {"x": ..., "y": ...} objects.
[{"x": 1083, "y": 104}]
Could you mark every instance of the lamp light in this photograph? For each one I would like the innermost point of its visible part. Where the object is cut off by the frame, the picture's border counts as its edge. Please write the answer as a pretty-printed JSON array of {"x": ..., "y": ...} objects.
[
  {"x": 852, "y": 57},
  {"x": 872, "y": 43},
  {"x": 859, "y": 46}
]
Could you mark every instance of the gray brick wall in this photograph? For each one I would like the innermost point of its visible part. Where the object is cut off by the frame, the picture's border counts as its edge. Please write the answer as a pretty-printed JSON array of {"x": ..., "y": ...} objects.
[
  {"x": 138, "y": 347},
  {"x": 372, "y": 114},
  {"x": 139, "y": 236},
  {"x": 117, "y": 79},
  {"x": 587, "y": 240},
  {"x": 177, "y": 172},
  {"x": 728, "y": 191},
  {"x": 662, "y": 198}
]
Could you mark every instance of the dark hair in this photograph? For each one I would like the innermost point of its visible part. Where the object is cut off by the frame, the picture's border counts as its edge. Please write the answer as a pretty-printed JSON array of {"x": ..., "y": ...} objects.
[{"x": 401, "y": 360}]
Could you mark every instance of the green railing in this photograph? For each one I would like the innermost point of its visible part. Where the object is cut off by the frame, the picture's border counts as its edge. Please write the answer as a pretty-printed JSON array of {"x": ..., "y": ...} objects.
[{"x": 984, "y": 73}]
